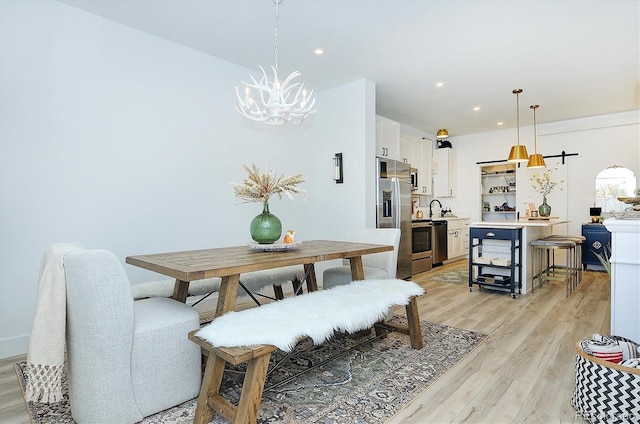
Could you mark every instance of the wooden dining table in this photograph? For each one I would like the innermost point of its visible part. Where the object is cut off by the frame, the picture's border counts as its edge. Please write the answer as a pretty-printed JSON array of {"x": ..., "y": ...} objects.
[{"x": 229, "y": 263}]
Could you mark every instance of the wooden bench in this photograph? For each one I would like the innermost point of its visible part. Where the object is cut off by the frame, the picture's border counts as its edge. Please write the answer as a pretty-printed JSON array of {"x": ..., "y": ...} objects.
[{"x": 256, "y": 355}]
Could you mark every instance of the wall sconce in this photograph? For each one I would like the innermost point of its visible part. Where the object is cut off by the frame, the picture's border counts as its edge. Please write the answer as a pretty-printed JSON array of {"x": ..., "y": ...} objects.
[{"x": 338, "y": 176}]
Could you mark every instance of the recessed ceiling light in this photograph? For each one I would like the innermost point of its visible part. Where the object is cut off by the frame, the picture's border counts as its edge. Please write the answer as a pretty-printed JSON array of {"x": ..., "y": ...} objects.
[
  {"x": 439, "y": 84},
  {"x": 318, "y": 51},
  {"x": 476, "y": 108},
  {"x": 500, "y": 123}
]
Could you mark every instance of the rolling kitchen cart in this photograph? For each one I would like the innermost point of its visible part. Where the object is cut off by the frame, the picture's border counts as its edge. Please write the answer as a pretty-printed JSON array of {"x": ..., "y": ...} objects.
[{"x": 496, "y": 265}]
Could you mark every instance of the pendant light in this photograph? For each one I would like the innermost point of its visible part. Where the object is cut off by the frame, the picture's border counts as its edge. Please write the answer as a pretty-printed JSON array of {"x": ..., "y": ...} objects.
[
  {"x": 536, "y": 160},
  {"x": 518, "y": 152},
  {"x": 442, "y": 134},
  {"x": 275, "y": 102}
]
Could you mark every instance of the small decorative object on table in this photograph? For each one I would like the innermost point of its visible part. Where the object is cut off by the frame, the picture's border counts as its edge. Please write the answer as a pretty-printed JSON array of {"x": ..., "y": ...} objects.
[
  {"x": 633, "y": 211},
  {"x": 274, "y": 247},
  {"x": 544, "y": 185},
  {"x": 266, "y": 228},
  {"x": 633, "y": 201},
  {"x": 289, "y": 237},
  {"x": 595, "y": 214}
]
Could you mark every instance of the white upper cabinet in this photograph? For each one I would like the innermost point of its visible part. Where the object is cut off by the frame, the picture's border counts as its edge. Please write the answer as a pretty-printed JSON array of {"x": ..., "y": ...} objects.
[
  {"x": 417, "y": 152},
  {"x": 424, "y": 178},
  {"x": 406, "y": 149},
  {"x": 445, "y": 180},
  {"x": 387, "y": 138}
]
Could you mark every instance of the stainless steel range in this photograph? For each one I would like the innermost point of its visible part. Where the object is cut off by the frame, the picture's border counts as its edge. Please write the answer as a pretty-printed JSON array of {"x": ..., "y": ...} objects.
[{"x": 421, "y": 242}]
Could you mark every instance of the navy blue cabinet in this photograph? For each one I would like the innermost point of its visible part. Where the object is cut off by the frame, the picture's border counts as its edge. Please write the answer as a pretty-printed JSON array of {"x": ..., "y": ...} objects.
[{"x": 598, "y": 239}]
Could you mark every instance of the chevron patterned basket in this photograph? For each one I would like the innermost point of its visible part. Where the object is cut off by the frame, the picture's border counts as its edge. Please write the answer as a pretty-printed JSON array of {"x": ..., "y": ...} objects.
[{"x": 605, "y": 392}]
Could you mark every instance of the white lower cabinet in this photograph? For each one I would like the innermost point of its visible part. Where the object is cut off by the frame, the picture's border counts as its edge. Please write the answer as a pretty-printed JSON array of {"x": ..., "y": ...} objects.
[{"x": 457, "y": 238}]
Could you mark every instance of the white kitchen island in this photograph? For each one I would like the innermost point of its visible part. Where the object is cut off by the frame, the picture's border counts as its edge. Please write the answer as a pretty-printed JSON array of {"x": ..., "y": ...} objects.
[
  {"x": 531, "y": 230},
  {"x": 625, "y": 284}
]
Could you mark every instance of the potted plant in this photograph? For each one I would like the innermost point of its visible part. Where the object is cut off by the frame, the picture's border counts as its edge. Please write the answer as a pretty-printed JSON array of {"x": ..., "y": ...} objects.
[
  {"x": 259, "y": 186},
  {"x": 604, "y": 258},
  {"x": 544, "y": 185}
]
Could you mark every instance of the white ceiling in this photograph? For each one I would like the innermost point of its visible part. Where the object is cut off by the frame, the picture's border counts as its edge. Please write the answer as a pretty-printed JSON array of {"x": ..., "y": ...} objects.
[{"x": 573, "y": 58}]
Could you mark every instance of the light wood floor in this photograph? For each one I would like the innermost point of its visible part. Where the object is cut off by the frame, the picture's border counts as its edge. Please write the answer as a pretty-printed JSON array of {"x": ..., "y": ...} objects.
[{"x": 523, "y": 373}]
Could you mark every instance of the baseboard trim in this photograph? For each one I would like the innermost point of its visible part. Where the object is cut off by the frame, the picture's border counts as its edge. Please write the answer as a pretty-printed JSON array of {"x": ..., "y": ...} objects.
[{"x": 14, "y": 346}]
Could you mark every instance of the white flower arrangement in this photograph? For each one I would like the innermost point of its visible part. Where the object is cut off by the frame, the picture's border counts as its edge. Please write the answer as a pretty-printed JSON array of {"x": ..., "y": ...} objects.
[
  {"x": 259, "y": 187},
  {"x": 543, "y": 183}
]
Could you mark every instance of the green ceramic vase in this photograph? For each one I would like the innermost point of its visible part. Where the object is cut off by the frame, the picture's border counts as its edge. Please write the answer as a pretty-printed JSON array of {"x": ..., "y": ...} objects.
[
  {"x": 544, "y": 209},
  {"x": 266, "y": 228}
]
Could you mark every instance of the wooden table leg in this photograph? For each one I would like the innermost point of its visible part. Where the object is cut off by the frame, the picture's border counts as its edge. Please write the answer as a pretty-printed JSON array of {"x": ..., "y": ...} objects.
[
  {"x": 357, "y": 269},
  {"x": 310, "y": 274},
  {"x": 227, "y": 294},
  {"x": 415, "y": 333},
  {"x": 180, "y": 291}
]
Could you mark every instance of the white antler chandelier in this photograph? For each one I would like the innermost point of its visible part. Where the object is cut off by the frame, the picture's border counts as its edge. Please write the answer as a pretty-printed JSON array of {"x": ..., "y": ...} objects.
[{"x": 275, "y": 102}]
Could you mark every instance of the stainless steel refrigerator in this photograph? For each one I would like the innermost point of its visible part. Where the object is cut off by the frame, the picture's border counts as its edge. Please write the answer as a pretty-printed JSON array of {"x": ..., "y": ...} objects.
[{"x": 393, "y": 207}]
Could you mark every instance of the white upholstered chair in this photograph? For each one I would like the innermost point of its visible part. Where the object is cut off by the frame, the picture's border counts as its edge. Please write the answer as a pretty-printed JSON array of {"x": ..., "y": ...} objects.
[
  {"x": 127, "y": 359},
  {"x": 376, "y": 266}
]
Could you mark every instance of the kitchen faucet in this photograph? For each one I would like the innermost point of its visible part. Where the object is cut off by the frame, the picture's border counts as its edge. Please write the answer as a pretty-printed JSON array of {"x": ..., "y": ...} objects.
[{"x": 430, "y": 204}]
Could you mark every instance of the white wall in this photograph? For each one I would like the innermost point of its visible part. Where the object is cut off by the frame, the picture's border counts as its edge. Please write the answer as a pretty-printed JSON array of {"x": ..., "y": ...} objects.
[
  {"x": 600, "y": 142},
  {"x": 120, "y": 140}
]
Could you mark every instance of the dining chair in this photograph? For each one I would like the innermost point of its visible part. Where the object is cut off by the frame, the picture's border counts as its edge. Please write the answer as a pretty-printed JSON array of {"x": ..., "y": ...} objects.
[
  {"x": 127, "y": 359},
  {"x": 376, "y": 266}
]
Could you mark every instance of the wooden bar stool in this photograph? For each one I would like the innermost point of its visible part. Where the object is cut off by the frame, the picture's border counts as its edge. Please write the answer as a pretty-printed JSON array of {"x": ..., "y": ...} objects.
[{"x": 543, "y": 270}]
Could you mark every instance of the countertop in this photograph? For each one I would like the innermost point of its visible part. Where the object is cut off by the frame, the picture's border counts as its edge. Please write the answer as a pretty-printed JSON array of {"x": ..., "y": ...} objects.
[
  {"x": 520, "y": 223},
  {"x": 442, "y": 218}
]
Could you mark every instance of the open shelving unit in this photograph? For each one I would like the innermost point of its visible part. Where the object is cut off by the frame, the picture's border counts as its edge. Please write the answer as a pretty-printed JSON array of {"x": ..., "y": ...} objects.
[{"x": 498, "y": 192}]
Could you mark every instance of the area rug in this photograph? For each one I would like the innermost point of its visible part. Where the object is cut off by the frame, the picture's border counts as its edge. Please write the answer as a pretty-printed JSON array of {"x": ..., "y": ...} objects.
[
  {"x": 368, "y": 384},
  {"x": 458, "y": 275}
]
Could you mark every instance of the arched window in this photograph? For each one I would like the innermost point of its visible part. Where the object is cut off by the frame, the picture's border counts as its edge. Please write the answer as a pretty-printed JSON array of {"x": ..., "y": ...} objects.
[{"x": 612, "y": 183}]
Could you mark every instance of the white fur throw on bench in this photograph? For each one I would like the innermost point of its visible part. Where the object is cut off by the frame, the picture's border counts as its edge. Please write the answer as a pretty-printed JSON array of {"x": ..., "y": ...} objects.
[{"x": 351, "y": 307}]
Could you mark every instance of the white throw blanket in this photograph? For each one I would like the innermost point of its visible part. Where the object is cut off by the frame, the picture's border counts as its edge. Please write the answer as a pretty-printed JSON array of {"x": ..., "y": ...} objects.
[
  {"x": 350, "y": 307},
  {"x": 45, "y": 359}
]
